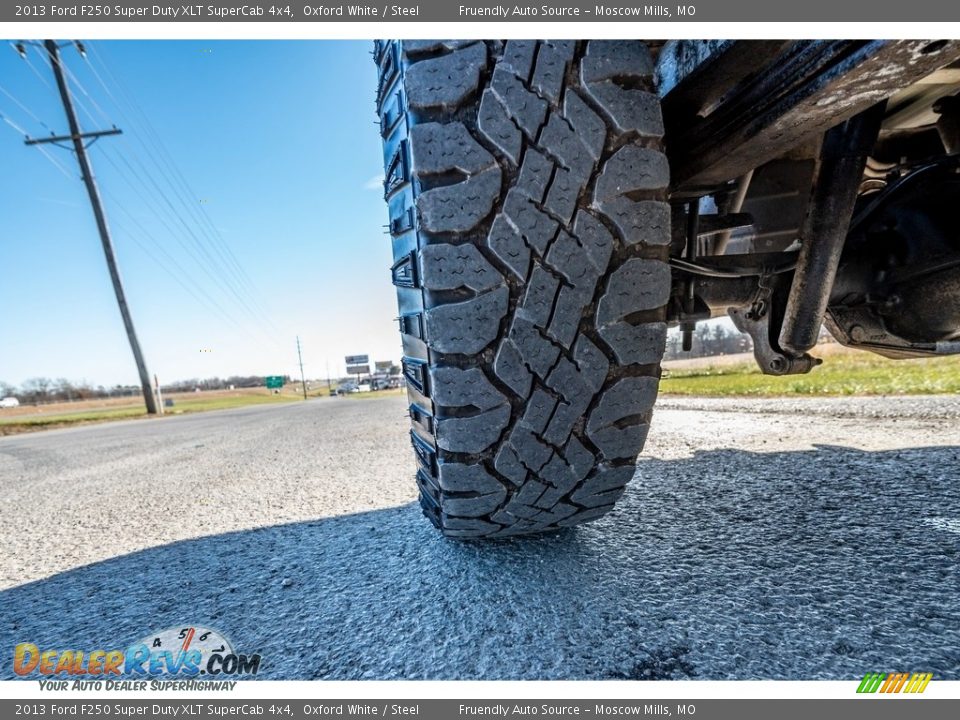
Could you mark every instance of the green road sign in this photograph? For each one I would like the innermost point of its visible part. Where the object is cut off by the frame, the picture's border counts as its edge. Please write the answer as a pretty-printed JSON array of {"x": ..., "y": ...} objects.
[{"x": 274, "y": 381}]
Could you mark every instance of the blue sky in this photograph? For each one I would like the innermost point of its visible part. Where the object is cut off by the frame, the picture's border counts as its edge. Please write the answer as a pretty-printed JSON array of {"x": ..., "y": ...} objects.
[{"x": 276, "y": 141}]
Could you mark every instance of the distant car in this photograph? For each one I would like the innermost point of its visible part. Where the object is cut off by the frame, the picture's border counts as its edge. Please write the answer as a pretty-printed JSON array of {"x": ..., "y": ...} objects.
[
  {"x": 386, "y": 383},
  {"x": 9, "y": 402},
  {"x": 347, "y": 388}
]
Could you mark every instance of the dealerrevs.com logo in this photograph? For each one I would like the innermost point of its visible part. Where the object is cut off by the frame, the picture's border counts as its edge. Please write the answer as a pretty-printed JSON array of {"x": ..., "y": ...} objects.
[{"x": 182, "y": 652}]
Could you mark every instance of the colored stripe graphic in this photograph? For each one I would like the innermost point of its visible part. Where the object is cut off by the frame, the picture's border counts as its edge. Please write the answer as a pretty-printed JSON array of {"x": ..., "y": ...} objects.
[
  {"x": 898, "y": 682},
  {"x": 918, "y": 682},
  {"x": 894, "y": 682},
  {"x": 870, "y": 683}
]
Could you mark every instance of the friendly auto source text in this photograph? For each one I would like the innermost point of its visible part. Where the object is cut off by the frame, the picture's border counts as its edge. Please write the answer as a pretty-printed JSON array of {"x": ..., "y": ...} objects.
[
  {"x": 552, "y": 709},
  {"x": 554, "y": 11}
]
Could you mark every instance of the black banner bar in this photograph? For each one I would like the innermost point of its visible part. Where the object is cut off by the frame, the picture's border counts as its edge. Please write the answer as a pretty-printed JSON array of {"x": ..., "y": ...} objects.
[
  {"x": 452, "y": 11},
  {"x": 874, "y": 708}
]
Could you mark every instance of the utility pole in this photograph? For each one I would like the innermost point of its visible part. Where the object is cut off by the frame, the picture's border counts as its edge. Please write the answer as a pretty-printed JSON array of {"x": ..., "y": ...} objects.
[
  {"x": 156, "y": 384},
  {"x": 80, "y": 148},
  {"x": 302, "y": 378}
]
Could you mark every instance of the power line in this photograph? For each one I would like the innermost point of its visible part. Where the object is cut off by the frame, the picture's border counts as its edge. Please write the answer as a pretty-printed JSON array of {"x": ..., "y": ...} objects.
[
  {"x": 180, "y": 270},
  {"x": 234, "y": 275},
  {"x": 177, "y": 274},
  {"x": 225, "y": 283},
  {"x": 232, "y": 266},
  {"x": 23, "y": 107},
  {"x": 58, "y": 64},
  {"x": 144, "y": 171},
  {"x": 62, "y": 169},
  {"x": 79, "y": 85},
  {"x": 165, "y": 217},
  {"x": 56, "y": 163},
  {"x": 205, "y": 223},
  {"x": 31, "y": 66},
  {"x": 151, "y": 134},
  {"x": 14, "y": 125},
  {"x": 74, "y": 99}
]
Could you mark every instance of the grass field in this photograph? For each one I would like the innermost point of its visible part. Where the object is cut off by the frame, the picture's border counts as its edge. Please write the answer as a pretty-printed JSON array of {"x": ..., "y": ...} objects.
[
  {"x": 844, "y": 372},
  {"x": 30, "y": 417}
]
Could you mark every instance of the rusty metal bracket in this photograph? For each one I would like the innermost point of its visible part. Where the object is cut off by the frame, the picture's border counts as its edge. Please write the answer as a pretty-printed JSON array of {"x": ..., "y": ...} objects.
[{"x": 755, "y": 320}]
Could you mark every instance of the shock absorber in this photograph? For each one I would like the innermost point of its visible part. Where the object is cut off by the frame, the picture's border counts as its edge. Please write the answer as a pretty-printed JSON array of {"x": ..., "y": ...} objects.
[{"x": 690, "y": 289}]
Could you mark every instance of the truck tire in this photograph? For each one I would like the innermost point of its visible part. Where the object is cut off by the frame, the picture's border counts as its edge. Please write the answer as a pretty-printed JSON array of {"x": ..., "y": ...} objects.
[{"x": 526, "y": 186}]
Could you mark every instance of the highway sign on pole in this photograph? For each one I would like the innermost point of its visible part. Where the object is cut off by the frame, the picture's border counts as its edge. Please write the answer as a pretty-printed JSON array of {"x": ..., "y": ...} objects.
[
  {"x": 358, "y": 360},
  {"x": 274, "y": 382},
  {"x": 383, "y": 365},
  {"x": 358, "y": 369}
]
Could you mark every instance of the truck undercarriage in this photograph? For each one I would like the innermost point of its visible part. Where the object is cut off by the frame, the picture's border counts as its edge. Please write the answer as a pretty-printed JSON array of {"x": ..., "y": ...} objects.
[{"x": 814, "y": 182}]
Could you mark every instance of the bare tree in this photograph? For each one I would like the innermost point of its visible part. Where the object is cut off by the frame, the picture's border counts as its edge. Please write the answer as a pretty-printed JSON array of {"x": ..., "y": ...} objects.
[
  {"x": 63, "y": 390},
  {"x": 703, "y": 341},
  {"x": 36, "y": 390},
  {"x": 708, "y": 340}
]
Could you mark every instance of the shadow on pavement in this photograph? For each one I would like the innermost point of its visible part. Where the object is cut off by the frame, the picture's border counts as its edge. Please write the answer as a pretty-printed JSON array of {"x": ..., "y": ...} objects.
[{"x": 826, "y": 563}]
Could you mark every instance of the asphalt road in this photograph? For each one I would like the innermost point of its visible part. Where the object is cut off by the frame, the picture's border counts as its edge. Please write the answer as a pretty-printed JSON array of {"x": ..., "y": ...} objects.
[{"x": 759, "y": 539}]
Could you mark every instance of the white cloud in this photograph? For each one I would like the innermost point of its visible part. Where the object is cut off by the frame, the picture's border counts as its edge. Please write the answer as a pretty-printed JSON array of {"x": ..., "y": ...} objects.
[{"x": 374, "y": 183}]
